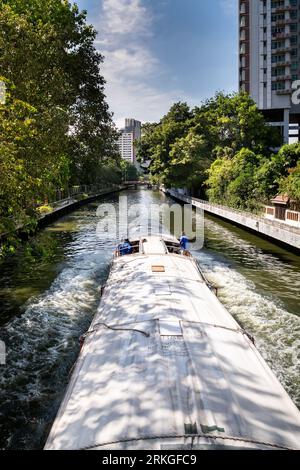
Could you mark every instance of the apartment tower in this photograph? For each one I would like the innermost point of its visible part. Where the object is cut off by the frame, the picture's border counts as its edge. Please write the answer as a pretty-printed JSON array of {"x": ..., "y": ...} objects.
[
  {"x": 269, "y": 58},
  {"x": 130, "y": 134}
]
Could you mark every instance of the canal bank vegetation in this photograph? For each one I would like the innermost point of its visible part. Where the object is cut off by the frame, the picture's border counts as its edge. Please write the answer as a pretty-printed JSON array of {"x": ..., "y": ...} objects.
[
  {"x": 222, "y": 150},
  {"x": 56, "y": 129}
]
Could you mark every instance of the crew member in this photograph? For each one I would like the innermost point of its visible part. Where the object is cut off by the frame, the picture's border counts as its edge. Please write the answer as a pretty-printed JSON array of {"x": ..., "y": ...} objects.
[
  {"x": 125, "y": 247},
  {"x": 184, "y": 242}
]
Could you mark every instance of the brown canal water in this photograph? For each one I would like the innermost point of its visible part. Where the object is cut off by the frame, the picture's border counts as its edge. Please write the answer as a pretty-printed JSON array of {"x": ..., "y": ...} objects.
[{"x": 50, "y": 290}]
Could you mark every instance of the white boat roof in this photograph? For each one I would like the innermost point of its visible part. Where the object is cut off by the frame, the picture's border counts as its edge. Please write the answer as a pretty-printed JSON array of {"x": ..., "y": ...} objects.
[{"x": 165, "y": 366}]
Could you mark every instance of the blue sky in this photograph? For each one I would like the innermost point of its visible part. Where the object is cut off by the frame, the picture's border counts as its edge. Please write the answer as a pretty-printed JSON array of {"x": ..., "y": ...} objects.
[{"x": 158, "y": 52}]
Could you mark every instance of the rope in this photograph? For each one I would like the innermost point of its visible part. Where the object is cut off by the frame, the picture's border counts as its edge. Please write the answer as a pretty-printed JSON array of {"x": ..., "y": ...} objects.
[
  {"x": 115, "y": 329},
  {"x": 186, "y": 436},
  {"x": 235, "y": 330}
]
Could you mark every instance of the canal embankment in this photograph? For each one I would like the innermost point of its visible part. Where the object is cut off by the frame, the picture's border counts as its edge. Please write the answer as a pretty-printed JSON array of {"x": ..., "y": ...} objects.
[
  {"x": 63, "y": 208},
  {"x": 280, "y": 233},
  {"x": 74, "y": 204}
]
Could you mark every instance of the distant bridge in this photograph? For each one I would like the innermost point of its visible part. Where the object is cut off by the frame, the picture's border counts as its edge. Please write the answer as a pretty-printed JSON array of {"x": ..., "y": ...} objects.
[{"x": 135, "y": 184}]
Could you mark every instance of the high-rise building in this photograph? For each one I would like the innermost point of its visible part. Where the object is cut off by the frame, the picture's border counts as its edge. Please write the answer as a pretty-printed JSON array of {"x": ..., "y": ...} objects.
[
  {"x": 269, "y": 59},
  {"x": 130, "y": 134}
]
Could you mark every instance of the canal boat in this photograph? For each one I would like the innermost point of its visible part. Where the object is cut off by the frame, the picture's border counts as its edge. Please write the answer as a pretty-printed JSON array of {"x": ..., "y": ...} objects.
[{"x": 165, "y": 366}]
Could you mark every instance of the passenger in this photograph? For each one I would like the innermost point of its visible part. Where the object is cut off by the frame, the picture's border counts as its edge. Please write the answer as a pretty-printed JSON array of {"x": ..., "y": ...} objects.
[
  {"x": 129, "y": 247},
  {"x": 184, "y": 243},
  {"x": 124, "y": 248}
]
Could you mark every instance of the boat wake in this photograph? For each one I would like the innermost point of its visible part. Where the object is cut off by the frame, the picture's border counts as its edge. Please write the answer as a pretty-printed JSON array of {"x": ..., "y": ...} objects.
[{"x": 276, "y": 331}]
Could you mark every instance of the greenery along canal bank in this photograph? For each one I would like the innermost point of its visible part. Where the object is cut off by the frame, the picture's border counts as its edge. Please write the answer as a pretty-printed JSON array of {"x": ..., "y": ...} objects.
[
  {"x": 56, "y": 130},
  {"x": 223, "y": 151},
  {"x": 53, "y": 213}
]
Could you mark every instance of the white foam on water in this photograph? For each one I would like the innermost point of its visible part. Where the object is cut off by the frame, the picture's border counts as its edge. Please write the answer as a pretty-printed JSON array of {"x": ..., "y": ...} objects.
[{"x": 276, "y": 331}]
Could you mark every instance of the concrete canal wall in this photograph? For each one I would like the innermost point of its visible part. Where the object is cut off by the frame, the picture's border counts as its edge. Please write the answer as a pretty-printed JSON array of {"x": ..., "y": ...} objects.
[
  {"x": 273, "y": 230},
  {"x": 62, "y": 210},
  {"x": 73, "y": 205}
]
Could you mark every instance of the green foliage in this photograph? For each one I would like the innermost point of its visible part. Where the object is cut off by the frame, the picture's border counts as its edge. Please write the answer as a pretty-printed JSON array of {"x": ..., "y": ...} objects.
[
  {"x": 129, "y": 171},
  {"x": 222, "y": 149},
  {"x": 45, "y": 209},
  {"x": 185, "y": 143},
  {"x": 234, "y": 121},
  {"x": 231, "y": 181},
  {"x": 290, "y": 185},
  {"x": 55, "y": 127},
  {"x": 274, "y": 169},
  {"x": 247, "y": 180}
]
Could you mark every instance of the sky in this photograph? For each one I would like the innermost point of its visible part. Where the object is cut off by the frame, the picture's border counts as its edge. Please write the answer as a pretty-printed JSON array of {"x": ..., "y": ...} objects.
[{"x": 158, "y": 52}]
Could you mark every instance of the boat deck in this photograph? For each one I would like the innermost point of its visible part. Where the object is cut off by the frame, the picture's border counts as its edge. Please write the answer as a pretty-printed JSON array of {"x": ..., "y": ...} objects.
[{"x": 165, "y": 366}]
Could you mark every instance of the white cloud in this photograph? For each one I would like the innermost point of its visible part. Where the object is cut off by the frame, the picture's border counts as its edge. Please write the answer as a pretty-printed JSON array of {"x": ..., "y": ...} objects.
[
  {"x": 125, "y": 17},
  {"x": 129, "y": 66},
  {"x": 230, "y": 7},
  {"x": 130, "y": 62}
]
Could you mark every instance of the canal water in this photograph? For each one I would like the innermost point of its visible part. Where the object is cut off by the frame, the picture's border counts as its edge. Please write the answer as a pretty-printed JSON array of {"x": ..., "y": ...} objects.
[{"x": 50, "y": 290}]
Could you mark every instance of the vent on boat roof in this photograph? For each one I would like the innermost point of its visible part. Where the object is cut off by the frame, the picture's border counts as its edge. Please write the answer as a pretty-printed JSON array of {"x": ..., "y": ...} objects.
[
  {"x": 170, "y": 327},
  {"x": 158, "y": 269}
]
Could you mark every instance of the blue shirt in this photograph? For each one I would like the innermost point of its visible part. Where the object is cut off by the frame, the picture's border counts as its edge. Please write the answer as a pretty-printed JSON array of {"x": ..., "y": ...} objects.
[
  {"x": 184, "y": 242},
  {"x": 125, "y": 248}
]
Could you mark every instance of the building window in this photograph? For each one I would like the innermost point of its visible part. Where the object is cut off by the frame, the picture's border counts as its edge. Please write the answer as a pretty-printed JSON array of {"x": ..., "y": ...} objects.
[
  {"x": 293, "y": 27},
  {"x": 277, "y": 17},
  {"x": 277, "y": 30},
  {"x": 278, "y": 71},
  {"x": 278, "y": 44},
  {"x": 277, "y": 4},
  {"x": 294, "y": 66},
  {"x": 278, "y": 58},
  {"x": 278, "y": 86},
  {"x": 293, "y": 14}
]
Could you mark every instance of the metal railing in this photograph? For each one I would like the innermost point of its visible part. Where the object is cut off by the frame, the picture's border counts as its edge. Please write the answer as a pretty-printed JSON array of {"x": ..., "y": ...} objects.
[
  {"x": 257, "y": 218},
  {"x": 65, "y": 195}
]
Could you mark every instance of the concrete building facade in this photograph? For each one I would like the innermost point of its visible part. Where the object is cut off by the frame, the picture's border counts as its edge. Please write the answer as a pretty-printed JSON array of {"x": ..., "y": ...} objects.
[
  {"x": 269, "y": 59},
  {"x": 130, "y": 134}
]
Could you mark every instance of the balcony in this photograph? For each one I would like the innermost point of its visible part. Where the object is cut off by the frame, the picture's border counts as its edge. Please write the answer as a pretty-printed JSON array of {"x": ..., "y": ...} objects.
[
  {"x": 281, "y": 49},
  {"x": 287, "y": 91},
  {"x": 280, "y": 35},
  {"x": 280, "y": 64},
  {"x": 283, "y": 22},
  {"x": 284, "y": 8},
  {"x": 281, "y": 78}
]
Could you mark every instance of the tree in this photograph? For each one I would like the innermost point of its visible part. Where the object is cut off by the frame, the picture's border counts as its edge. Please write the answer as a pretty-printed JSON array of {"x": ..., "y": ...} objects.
[
  {"x": 17, "y": 186},
  {"x": 129, "y": 171},
  {"x": 52, "y": 69},
  {"x": 189, "y": 158},
  {"x": 231, "y": 180},
  {"x": 290, "y": 185},
  {"x": 235, "y": 121},
  {"x": 184, "y": 144}
]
